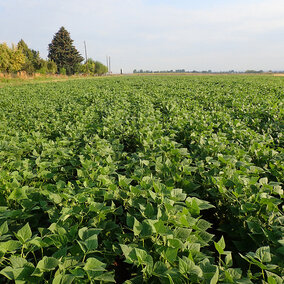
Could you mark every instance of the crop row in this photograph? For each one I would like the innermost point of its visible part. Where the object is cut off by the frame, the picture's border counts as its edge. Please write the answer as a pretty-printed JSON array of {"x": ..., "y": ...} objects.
[{"x": 142, "y": 179}]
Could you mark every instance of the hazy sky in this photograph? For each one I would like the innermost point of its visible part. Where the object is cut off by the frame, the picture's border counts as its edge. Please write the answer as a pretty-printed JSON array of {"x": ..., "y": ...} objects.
[{"x": 156, "y": 34}]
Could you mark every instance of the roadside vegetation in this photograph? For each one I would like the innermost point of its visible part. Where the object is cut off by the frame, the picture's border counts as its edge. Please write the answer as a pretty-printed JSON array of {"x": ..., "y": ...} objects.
[{"x": 63, "y": 58}]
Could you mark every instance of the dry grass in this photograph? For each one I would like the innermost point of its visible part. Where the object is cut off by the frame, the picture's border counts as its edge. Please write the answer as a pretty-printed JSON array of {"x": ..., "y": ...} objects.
[
  {"x": 278, "y": 75},
  {"x": 22, "y": 78}
]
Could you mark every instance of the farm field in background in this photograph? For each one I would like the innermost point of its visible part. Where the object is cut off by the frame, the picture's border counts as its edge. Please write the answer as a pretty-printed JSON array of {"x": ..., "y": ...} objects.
[{"x": 143, "y": 179}]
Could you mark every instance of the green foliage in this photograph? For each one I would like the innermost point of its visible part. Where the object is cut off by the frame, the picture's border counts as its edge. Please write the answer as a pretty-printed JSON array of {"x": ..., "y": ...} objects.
[
  {"x": 142, "y": 179},
  {"x": 46, "y": 67},
  {"x": 11, "y": 59},
  {"x": 90, "y": 66},
  {"x": 22, "y": 58},
  {"x": 42, "y": 67},
  {"x": 32, "y": 58},
  {"x": 100, "y": 68},
  {"x": 62, "y": 71},
  {"x": 63, "y": 52},
  {"x": 51, "y": 67}
]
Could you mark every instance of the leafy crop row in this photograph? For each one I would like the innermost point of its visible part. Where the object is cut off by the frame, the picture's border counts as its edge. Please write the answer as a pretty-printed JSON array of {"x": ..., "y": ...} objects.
[{"x": 142, "y": 179}]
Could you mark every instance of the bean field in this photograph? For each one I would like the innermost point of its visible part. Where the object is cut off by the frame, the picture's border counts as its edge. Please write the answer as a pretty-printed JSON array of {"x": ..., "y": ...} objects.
[{"x": 142, "y": 179}]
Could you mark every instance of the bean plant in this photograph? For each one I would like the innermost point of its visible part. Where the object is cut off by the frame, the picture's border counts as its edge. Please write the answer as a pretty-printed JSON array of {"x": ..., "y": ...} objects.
[{"x": 147, "y": 179}]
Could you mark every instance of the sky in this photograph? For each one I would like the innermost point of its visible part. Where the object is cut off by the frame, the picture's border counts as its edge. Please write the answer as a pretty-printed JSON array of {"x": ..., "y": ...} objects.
[{"x": 215, "y": 35}]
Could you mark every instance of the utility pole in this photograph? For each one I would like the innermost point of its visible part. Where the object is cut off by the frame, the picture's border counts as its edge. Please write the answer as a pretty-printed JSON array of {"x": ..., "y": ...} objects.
[
  {"x": 109, "y": 64},
  {"x": 86, "y": 52}
]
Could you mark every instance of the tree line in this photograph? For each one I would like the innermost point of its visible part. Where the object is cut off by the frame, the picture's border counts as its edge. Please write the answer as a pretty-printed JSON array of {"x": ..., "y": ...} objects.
[{"x": 63, "y": 58}]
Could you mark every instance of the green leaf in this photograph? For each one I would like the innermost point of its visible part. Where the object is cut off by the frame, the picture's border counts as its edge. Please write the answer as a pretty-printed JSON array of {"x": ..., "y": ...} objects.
[
  {"x": 171, "y": 254},
  {"x": 273, "y": 278},
  {"x": 4, "y": 228},
  {"x": 233, "y": 274},
  {"x": 17, "y": 262},
  {"x": 182, "y": 233},
  {"x": 90, "y": 239},
  {"x": 220, "y": 246},
  {"x": 160, "y": 228},
  {"x": 255, "y": 228},
  {"x": 137, "y": 228},
  {"x": 143, "y": 257},
  {"x": 197, "y": 204},
  {"x": 19, "y": 274},
  {"x": 82, "y": 233},
  {"x": 10, "y": 246},
  {"x": 78, "y": 272},
  {"x": 187, "y": 266},
  {"x": 178, "y": 195},
  {"x": 24, "y": 233},
  {"x": 18, "y": 194},
  {"x": 209, "y": 270},
  {"x": 105, "y": 277},
  {"x": 129, "y": 253},
  {"x": 63, "y": 279},
  {"x": 192, "y": 204},
  {"x": 263, "y": 254},
  {"x": 146, "y": 229},
  {"x": 174, "y": 277},
  {"x": 91, "y": 243},
  {"x": 159, "y": 268},
  {"x": 82, "y": 246},
  {"x": 47, "y": 264},
  {"x": 8, "y": 272},
  {"x": 215, "y": 278},
  {"x": 175, "y": 243},
  {"x": 129, "y": 220},
  {"x": 56, "y": 198},
  {"x": 85, "y": 233},
  {"x": 263, "y": 181},
  {"x": 149, "y": 211},
  {"x": 37, "y": 241},
  {"x": 203, "y": 225},
  {"x": 123, "y": 181},
  {"x": 60, "y": 184},
  {"x": 228, "y": 259},
  {"x": 94, "y": 264}
]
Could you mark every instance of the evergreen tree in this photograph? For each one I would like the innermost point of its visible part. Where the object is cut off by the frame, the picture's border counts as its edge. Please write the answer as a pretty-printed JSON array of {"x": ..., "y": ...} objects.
[{"x": 63, "y": 52}]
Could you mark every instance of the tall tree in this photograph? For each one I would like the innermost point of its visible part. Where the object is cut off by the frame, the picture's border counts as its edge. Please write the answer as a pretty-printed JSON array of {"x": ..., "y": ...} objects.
[
  {"x": 32, "y": 62},
  {"x": 63, "y": 52},
  {"x": 11, "y": 59}
]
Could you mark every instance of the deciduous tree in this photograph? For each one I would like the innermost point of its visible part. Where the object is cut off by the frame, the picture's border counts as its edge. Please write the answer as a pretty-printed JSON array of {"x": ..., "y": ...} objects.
[
  {"x": 100, "y": 68},
  {"x": 32, "y": 58},
  {"x": 11, "y": 59}
]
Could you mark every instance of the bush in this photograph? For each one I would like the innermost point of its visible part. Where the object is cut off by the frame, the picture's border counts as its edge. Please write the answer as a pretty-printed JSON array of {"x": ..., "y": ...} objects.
[
  {"x": 100, "y": 68},
  {"x": 62, "y": 71},
  {"x": 52, "y": 67}
]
